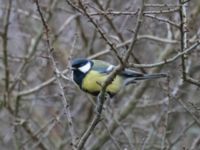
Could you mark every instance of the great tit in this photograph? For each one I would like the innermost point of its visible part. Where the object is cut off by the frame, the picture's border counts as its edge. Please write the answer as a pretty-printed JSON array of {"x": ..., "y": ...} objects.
[{"x": 90, "y": 74}]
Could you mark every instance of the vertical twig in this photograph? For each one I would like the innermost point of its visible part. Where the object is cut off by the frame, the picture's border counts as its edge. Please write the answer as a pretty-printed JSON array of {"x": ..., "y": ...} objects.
[
  {"x": 5, "y": 50},
  {"x": 183, "y": 32},
  {"x": 134, "y": 39},
  {"x": 32, "y": 49},
  {"x": 65, "y": 103}
]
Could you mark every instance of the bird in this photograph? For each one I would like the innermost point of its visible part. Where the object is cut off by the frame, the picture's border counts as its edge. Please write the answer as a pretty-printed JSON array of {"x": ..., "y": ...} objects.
[{"x": 90, "y": 74}]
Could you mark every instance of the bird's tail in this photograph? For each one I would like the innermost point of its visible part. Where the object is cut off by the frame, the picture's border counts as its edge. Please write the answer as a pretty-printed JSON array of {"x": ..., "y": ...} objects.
[
  {"x": 151, "y": 76},
  {"x": 144, "y": 77}
]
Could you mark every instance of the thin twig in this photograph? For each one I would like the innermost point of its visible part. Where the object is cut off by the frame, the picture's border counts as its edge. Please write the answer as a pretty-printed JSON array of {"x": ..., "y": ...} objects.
[
  {"x": 130, "y": 105},
  {"x": 83, "y": 10},
  {"x": 134, "y": 39},
  {"x": 38, "y": 132},
  {"x": 32, "y": 49},
  {"x": 162, "y": 11},
  {"x": 161, "y": 5},
  {"x": 195, "y": 143},
  {"x": 140, "y": 37},
  {"x": 118, "y": 34},
  {"x": 42, "y": 85},
  {"x": 4, "y": 35},
  {"x": 184, "y": 41},
  {"x": 101, "y": 96},
  {"x": 192, "y": 81},
  {"x": 162, "y": 20},
  {"x": 29, "y": 131},
  {"x": 130, "y": 13},
  {"x": 183, "y": 30},
  {"x": 182, "y": 134},
  {"x": 64, "y": 99},
  {"x": 186, "y": 51}
]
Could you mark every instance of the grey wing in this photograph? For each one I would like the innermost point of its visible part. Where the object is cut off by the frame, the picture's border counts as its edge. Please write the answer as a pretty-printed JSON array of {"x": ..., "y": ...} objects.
[
  {"x": 131, "y": 74},
  {"x": 105, "y": 67},
  {"x": 102, "y": 67}
]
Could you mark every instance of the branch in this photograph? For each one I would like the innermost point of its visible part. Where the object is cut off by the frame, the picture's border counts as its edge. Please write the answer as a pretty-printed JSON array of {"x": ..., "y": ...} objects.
[
  {"x": 130, "y": 13},
  {"x": 117, "y": 32},
  {"x": 5, "y": 51},
  {"x": 32, "y": 49},
  {"x": 101, "y": 96},
  {"x": 64, "y": 99},
  {"x": 192, "y": 81},
  {"x": 181, "y": 134},
  {"x": 162, "y": 11},
  {"x": 184, "y": 41},
  {"x": 83, "y": 10},
  {"x": 28, "y": 131},
  {"x": 162, "y": 20},
  {"x": 129, "y": 106},
  {"x": 161, "y": 5},
  {"x": 183, "y": 30},
  {"x": 186, "y": 51},
  {"x": 139, "y": 37}
]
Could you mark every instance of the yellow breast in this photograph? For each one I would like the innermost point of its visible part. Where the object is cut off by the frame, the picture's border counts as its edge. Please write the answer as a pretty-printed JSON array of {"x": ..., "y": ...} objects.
[{"x": 93, "y": 81}]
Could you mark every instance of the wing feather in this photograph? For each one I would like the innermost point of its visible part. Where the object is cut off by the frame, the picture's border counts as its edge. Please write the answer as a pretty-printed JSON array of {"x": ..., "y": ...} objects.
[{"x": 102, "y": 66}]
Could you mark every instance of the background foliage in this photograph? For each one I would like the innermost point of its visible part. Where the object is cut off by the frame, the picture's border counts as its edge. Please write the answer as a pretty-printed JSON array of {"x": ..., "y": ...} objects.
[{"x": 43, "y": 109}]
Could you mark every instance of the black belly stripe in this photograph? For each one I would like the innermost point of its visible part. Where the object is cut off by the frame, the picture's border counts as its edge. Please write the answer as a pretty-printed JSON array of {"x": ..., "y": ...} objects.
[{"x": 78, "y": 77}]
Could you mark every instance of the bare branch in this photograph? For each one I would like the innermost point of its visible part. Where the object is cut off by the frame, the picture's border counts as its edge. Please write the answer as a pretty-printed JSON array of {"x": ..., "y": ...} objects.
[
  {"x": 193, "y": 81},
  {"x": 101, "y": 96},
  {"x": 65, "y": 102},
  {"x": 186, "y": 51},
  {"x": 6, "y": 24},
  {"x": 183, "y": 30},
  {"x": 99, "y": 30}
]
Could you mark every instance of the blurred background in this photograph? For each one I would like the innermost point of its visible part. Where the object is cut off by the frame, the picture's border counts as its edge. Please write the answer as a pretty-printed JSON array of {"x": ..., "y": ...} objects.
[{"x": 151, "y": 115}]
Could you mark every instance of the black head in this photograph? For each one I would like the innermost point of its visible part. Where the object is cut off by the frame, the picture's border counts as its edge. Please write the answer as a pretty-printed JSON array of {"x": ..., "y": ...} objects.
[
  {"x": 80, "y": 68},
  {"x": 81, "y": 64}
]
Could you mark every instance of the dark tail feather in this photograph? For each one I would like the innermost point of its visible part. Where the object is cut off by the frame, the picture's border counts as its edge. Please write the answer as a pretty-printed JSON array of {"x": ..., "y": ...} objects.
[
  {"x": 145, "y": 77},
  {"x": 151, "y": 76}
]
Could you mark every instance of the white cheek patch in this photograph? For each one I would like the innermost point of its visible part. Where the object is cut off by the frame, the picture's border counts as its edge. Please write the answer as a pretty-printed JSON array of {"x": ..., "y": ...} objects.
[
  {"x": 85, "y": 68},
  {"x": 110, "y": 68}
]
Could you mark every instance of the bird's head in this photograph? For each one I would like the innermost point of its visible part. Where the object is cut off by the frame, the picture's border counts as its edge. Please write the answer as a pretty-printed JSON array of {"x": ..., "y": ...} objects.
[{"x": 81, "y": 65}]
